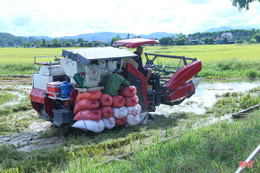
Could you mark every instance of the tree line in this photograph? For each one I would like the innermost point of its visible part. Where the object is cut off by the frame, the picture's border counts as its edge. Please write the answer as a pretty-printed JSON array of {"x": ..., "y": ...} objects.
[
  {"x": 238, "y": 36},
  {"x": 64, "y": 43}
]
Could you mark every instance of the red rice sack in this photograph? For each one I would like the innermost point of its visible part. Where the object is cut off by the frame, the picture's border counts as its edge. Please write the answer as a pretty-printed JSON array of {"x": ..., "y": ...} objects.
[
  {"x": 107, "y": 112},
  {"x": 85, "y": 104},
  {"x": 134, "y": 110},
  {"x": 127, "y": 91},
  {"x": 118, "y": 101},
  {"x": 88, "y": 115},
  {"x": 131, "y": 101},
  {"x": 109, "y": 123},
  {"x": 76, "y": 108},
  {"x": 120, "y": 121},
  {"x": 94, "y": 126},
  {"x": 133, "y": 119},
  {"x": 106, "y": 100},
  {"x": 120, "y": 112},
  {"x": 91, "y": 95}
]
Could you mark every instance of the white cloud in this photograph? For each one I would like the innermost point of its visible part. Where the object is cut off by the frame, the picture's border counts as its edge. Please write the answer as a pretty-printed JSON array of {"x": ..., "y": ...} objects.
[{"x": 62, "y": 17}]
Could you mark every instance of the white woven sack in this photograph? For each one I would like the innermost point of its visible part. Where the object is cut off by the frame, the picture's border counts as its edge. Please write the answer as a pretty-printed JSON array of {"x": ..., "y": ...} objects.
[
  {"x": 133, "y": 119},
  {"x": 134, "y": 110},
  {"x": 120, "y": 112},
  {"x": 109, "y": 122},
  {"x": 94, "y": 126},
  {"x": 92, "y": 75},
  {"x": 102, "y": 66},
  {"x": 111, "y": 66}
]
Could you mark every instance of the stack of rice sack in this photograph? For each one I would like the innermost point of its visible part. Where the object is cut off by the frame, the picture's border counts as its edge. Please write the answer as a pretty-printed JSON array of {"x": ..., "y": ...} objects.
[
  {"x": 112, "y": 83},
  {"x": 106, "y": 111},
  {"x": 131, "y": 103},
  {"x": 120, "y": 111},
  {"x": 93, "y": 111}
]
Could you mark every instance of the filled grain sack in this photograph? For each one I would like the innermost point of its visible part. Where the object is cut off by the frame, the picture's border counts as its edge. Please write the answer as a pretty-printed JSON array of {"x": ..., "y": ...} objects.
[
  {"x": 88, "y": 115},
  {"x": 134, "y": 110},
  {"x": 107, "y": 112},
  {"x": 106, "y": 100},
  {"x": 102, "y": 65},
  {"x": 85, "y": 104},
  {"x": 120, "y": 121},
  {"x": 133, "y": 119},
  {"x": 109, "y": 122},
  {"x": 91, "y": 95},
  {"x": 118, "y": 101},
  {"x": 92, "y": 75},
  {"x": 94, "y": 126},
  {"x": 131, "y": 101},
  {"x": 120, "y": 112},
  {"x": 127, "y": 91}
]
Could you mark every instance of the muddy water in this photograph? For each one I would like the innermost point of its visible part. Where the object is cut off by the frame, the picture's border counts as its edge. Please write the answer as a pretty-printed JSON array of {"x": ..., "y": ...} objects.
[
  {"x": 20, "y": 90},
  {"x": 205, "y": 96}
]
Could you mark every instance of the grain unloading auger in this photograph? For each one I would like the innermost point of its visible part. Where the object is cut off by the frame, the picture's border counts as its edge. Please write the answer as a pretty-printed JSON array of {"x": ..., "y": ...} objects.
[{"x": 171, "y": 81}]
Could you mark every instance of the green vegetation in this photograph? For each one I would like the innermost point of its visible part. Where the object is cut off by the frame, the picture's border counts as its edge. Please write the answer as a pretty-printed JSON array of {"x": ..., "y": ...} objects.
[
  {"x": 6, "y": 97},
  {"x": 219, "y": 61},
  {"x": 213, "y": 148}
]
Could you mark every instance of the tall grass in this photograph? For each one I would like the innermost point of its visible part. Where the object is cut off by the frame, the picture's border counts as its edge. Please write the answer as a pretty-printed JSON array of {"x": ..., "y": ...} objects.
[{"x": 215, "y": 148}]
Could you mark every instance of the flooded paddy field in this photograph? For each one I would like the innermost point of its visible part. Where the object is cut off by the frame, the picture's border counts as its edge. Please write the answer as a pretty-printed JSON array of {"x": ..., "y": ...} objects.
[{"x": 23, "y": 131}]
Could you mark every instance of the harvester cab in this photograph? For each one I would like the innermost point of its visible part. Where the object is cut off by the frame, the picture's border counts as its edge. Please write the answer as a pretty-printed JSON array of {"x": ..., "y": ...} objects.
[{"x": 60, "y": 85}]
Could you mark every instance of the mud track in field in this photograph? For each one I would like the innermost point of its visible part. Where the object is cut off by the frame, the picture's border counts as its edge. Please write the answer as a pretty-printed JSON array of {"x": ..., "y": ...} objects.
[
  {"x": 33, "y": 140},
  {"x": 38, "y": 135},
  {"x": 16, "y": 80}
]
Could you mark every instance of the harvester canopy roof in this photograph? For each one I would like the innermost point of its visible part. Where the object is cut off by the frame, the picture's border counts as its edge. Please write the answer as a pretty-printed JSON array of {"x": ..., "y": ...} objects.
[
  {"x": 134, "y": 43},
  {"x": 102, "y": 53}
]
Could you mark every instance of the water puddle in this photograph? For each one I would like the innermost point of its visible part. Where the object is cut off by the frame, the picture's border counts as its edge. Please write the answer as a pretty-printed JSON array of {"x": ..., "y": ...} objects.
[
  {"x": 19, "y": 90},
  {"x": 205, "y": 96}
]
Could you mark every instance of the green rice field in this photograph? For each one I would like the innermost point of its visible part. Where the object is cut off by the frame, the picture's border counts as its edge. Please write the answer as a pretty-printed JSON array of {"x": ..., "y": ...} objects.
[{"x": 219, "y": 61}]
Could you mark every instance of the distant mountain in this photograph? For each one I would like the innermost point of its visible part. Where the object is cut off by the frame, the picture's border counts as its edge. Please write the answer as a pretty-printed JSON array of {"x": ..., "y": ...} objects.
[
  {"x": 158, "y": 35},
  {"x": 41, "y": 37},
  {"x": 107, "y": 36},
  {"x": 9, "y": 40}
]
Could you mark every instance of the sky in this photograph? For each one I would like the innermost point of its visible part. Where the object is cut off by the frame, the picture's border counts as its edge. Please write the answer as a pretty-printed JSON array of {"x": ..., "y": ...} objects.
[{"x": 56, "y": 18}]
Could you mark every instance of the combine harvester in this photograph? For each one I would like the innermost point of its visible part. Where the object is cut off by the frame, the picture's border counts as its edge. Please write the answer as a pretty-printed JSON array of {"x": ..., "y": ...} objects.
[{"x": 58, "y": 84}]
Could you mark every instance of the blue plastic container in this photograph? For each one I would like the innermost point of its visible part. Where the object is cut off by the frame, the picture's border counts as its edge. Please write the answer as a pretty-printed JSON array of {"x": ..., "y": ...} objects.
[{"x": 65, "y": 89}]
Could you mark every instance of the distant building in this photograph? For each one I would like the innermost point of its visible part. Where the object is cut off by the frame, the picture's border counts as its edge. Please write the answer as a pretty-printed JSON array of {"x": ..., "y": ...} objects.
[
  {"x": 218, "y": 40},
  {"x": 194, "y": 41},
  {"x": 75, "y": 44},
  {"x": 228, "y": 35}
]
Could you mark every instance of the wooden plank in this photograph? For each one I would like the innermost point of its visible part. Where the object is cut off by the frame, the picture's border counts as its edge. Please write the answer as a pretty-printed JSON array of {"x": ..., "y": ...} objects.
[{"x": 245, "y": 111}]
